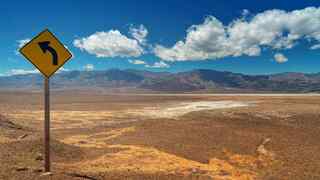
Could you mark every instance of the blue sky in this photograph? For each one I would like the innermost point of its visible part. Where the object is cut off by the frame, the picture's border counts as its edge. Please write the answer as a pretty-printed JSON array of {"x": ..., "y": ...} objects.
[{"x": 240, "y": 36}]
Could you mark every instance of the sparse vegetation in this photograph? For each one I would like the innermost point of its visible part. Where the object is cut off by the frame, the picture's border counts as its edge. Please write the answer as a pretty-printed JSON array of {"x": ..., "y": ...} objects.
[{"x": 123, "y": 137}]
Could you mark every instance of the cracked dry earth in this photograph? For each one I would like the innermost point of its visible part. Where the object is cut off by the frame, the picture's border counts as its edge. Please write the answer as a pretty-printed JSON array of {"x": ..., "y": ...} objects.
[{"x": 97, "y": 136}]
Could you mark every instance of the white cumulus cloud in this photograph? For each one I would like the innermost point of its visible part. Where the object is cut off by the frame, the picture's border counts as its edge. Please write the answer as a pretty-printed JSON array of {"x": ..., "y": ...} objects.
[
  {"x": 136, "y": 61},
  {"x": 280, "y": 58},
  {"x": 139, "y": 33},
  {"x": 62, "y": 69},
  {"x": 245, "y": 12},
  {"x": 22, "y": 42},
  {"x": 109, "y": 44},
  {"x": 274, "y": 29},
  {"x": 316, "y": 46},
  {"x": 159, "y": 64}
]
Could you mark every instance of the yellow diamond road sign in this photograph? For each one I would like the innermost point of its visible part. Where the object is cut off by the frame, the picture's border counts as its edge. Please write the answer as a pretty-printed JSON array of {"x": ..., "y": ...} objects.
[{"x": 46, "y": 53}]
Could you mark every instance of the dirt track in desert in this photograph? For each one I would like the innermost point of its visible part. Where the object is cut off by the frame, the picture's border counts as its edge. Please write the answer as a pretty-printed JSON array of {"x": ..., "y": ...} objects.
[{"x": 128, "y": 136}]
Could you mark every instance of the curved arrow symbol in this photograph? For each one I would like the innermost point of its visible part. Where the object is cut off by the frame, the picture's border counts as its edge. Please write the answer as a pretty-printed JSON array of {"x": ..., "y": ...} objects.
[{"x": 44, "y": 45}]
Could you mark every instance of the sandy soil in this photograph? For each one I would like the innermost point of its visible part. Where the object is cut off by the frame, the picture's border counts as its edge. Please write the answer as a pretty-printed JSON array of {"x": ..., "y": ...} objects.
[{"x": 126, "y": 136}]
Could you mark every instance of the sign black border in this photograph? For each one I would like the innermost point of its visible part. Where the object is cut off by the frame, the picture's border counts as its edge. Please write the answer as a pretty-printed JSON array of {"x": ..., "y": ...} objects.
[{"x": 46, "y": 30}]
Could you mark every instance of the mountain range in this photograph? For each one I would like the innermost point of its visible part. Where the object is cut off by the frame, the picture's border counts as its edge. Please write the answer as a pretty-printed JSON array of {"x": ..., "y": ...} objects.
[{"x": 203, "y": 80}]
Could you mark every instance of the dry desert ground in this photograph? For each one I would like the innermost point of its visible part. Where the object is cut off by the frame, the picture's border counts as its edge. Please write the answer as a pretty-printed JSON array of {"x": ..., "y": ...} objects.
[{"x": 161, "y": 136}]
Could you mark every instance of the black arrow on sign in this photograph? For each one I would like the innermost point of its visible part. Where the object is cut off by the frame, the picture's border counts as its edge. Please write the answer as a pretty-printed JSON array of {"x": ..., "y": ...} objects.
[{"x": 44, "y": 45}]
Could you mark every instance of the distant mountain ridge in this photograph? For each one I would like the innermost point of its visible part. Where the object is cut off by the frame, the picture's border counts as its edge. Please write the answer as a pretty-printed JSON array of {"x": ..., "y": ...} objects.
[{"x": 195, "y": 80}]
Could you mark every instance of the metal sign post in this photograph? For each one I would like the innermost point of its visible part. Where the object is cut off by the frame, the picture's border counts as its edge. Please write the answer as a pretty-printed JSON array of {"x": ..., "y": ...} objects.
[
  {"x": 47, "y": 54},
  {"x": 46, "y": 124}
]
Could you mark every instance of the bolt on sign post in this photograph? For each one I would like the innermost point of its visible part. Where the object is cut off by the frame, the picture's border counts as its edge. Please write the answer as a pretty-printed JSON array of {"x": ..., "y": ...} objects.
[{"x": 47, "y": 54}]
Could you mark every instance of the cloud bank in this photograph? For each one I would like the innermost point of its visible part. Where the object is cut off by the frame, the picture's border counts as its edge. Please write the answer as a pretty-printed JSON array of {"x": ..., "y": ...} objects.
[
  {"x": 248, "y": 35},
  {"x": 272, "y": 29}
]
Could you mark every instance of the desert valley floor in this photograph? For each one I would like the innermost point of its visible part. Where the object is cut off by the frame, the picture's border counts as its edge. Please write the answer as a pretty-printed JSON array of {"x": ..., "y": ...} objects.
[{"x": 98, "y": 135}]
